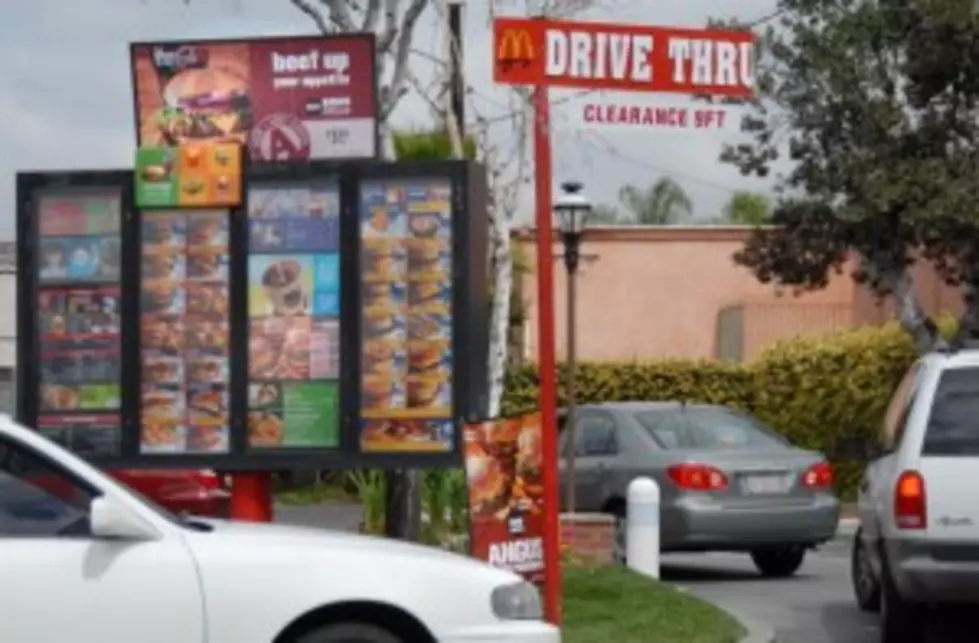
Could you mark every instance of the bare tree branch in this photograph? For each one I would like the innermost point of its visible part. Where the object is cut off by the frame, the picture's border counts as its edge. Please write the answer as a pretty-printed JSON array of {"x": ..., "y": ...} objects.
[
  {"x": 371, "y": 15},
  {"x": 339, "y": 13},
  {"x": 386, "y": 41},
  {"x": 314, "y": 14},
  {"x": 391, "y": 94}
]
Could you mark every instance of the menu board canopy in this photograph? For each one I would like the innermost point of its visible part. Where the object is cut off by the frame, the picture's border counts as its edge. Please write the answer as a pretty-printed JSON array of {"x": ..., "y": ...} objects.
[
  {"x": 296, "y": 98},
  {"x": 327, "y": 321}
]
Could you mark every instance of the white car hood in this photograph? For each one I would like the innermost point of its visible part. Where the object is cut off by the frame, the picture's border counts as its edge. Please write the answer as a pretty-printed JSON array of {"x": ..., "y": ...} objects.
[{"x": 291, "y": 536}]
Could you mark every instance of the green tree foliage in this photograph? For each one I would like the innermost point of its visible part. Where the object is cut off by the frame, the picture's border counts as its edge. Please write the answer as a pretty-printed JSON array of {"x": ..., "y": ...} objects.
[
  {"x": 428, "y": 145},
  {"x": 663, "y": 203},
  {"x": 747, "y": 208},
  {"x": 876, "y": 103}
]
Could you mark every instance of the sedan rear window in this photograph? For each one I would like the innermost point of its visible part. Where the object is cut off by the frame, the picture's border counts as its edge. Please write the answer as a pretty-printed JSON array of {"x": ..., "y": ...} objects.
[
  {"x": 953, "y": 425},
  {"x": 707, "y": 428}
]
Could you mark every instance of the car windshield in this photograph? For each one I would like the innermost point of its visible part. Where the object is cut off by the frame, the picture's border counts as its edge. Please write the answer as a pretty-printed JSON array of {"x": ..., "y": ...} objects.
[
  {"x": 953, "y": 426},
  {"x": 707, "y": 428}
]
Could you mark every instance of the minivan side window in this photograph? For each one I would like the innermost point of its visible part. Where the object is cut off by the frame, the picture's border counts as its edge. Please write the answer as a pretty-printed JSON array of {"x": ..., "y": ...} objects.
[
  {"x": 953, "y": 424},
  {"x": 896, "y": 417}
]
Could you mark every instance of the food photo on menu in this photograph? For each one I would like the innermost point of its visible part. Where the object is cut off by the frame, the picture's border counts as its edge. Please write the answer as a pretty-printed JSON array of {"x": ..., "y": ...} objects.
[
  {"x": 280, "y": 285},
  {"x": 291, "y": 414},
  {"x": 80, "y": 259},
  {"x": 266, "y": 425},
  {"x": 178, "y": 105},
  {"x": 392, "y": 435},
  {"x": 279, "y": 348},
  {"x": 162, "y": 415},
  {"x": 384, "y": 214},
  {"x": 503, "y": 467}
]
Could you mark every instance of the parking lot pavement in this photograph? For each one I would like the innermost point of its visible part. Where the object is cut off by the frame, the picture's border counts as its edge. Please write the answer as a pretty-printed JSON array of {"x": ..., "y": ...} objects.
[{"x": 815, "y": 606}]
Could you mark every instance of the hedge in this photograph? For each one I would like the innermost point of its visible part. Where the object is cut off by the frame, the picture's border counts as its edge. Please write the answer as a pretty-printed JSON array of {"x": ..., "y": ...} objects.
[{"x": 812, "y": 390}]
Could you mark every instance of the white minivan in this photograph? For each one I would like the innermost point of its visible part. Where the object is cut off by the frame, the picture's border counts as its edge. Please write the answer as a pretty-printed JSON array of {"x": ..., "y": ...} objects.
[{"x": 917, "y": 545}]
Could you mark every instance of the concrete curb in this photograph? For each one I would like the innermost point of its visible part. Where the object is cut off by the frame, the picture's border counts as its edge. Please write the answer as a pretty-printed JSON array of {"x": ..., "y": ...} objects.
[{"x": 757, "y": 632}]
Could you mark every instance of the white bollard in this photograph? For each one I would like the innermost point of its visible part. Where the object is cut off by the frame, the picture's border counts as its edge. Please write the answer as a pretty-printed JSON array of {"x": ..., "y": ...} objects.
[{"x": 642, "y": 527}]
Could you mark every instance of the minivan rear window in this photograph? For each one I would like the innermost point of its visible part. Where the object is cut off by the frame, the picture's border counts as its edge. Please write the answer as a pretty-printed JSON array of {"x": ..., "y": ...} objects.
[{"x": 953, "y": 425}]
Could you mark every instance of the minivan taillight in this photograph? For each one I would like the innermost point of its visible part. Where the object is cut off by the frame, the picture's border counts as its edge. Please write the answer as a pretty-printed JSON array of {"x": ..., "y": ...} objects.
[
  {"x": 697, "y": 477},
  {"x": 910, "y": 501},
  {"x": 818, "y": 476}
]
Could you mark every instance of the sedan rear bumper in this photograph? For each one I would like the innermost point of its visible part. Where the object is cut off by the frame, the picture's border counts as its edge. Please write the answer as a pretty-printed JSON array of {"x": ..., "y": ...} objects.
[{"x": 694, "y": 524}]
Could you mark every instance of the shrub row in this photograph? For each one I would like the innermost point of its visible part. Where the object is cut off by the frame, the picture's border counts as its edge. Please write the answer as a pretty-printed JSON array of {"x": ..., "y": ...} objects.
[{"x": 812, "y": 390}]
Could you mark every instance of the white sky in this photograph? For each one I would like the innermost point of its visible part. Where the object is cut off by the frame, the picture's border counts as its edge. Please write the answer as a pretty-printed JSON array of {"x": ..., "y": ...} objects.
[{"x": 65, "y": 92}]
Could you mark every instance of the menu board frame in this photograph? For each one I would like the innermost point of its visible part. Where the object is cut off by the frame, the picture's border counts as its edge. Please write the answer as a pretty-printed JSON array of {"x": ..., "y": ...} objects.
[
  {"x": 31, "y": 189},
  {"x": 470, "y": 313}
]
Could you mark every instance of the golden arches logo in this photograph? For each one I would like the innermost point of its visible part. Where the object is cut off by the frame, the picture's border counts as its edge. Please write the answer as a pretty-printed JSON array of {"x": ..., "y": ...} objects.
[{"x": 516, "y": 49}]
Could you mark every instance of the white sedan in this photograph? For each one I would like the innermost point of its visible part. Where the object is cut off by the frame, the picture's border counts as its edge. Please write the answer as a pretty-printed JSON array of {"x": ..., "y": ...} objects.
[{"x": 83, "y": 558}]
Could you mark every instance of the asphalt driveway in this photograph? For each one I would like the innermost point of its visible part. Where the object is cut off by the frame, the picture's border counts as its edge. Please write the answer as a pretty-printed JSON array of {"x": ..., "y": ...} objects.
[{"x": 816, "y": 606}]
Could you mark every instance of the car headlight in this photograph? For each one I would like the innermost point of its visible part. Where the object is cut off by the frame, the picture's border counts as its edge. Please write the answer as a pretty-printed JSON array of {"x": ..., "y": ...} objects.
[{"x": 517, "y": 601}]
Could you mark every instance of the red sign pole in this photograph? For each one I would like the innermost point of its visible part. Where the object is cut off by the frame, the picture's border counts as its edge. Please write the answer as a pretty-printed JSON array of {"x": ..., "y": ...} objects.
[
  {"x": 546, "y": 361},
  {"x": 251, "y": 496}
]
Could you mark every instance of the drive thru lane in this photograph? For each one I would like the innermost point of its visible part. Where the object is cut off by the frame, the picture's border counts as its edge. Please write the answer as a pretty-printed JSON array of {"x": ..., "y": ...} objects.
[{"x": 815, "y": 606}]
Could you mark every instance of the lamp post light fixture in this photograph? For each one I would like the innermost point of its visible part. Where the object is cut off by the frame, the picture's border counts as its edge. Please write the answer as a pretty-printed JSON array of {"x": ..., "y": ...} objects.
[{"x": 572, "y": 210}]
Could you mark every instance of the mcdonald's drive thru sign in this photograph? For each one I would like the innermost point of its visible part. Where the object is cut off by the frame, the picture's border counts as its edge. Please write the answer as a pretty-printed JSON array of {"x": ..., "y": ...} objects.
[{"x": 588, "y": 55}]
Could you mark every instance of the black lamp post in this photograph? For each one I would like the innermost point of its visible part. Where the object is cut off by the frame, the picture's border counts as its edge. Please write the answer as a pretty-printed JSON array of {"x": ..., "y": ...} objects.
[{"x": 572, "y": 210}]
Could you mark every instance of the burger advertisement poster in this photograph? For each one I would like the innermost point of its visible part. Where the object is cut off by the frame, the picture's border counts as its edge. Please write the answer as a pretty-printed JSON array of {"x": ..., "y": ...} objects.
[
  {"x": 503, "y": 470},
  {"x": 285, "y": 99}
]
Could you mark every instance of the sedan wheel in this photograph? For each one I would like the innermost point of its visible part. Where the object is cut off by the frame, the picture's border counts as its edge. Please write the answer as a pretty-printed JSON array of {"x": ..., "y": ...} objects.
[
  {"x": 779, "y": 562},
  {"x": 866, "y": 587}
]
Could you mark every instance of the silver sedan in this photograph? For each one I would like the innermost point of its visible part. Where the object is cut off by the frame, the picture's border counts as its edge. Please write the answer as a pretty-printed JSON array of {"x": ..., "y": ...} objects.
[{"x": 728, "y": 482}]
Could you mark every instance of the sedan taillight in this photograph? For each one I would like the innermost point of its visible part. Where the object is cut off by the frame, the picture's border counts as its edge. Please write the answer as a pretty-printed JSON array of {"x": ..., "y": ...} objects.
[
  {"x": 697, "y": 477},
  {"x": 818, "y": 476}
]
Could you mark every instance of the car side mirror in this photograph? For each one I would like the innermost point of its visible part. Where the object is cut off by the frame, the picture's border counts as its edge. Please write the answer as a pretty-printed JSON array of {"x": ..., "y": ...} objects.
[
  {"x": 857, "y": 449},
  {"x": 111, "y": 519}
]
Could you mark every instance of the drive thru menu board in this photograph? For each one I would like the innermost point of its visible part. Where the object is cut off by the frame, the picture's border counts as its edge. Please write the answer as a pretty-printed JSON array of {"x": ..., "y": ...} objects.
[
  {"x": 406, "y": 356},
  {"x": 78, "y": 304},
  {"x": 294, "y": 310},
  {"x": 184, "y": 332}
]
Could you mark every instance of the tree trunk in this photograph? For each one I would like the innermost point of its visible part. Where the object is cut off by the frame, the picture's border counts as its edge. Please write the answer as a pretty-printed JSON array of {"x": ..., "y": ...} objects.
[
  {"x": 910, "y": 313},
  {"x": 502, "y": 266}
]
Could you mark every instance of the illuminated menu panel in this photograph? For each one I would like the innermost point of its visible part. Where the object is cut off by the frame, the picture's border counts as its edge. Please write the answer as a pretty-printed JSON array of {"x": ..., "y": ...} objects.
[
  {"x": 406, "y": 320},
  {"x": 184, "y": 339},
  {"x": 78, "y": 334},
  {"x": 294, "y": 311}
]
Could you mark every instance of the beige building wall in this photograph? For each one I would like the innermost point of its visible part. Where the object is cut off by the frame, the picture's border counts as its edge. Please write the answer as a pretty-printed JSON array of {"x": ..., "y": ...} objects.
[{"x": 652, "y": 293}]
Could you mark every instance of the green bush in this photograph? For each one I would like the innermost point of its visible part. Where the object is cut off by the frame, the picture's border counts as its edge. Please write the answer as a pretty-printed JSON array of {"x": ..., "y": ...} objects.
[{"x": 813, "y": 390}]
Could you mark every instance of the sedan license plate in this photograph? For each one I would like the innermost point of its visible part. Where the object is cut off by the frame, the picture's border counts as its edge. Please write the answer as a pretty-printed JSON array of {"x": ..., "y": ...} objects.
[{"x": 759, "y": 485}]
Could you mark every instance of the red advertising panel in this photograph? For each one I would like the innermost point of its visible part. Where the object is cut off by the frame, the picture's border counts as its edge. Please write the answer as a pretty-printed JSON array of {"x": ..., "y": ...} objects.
[
  {"x": 638, "y": 58},
  {"x": 287, "y": 99},
  {"x": 503, "y": 469}
]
